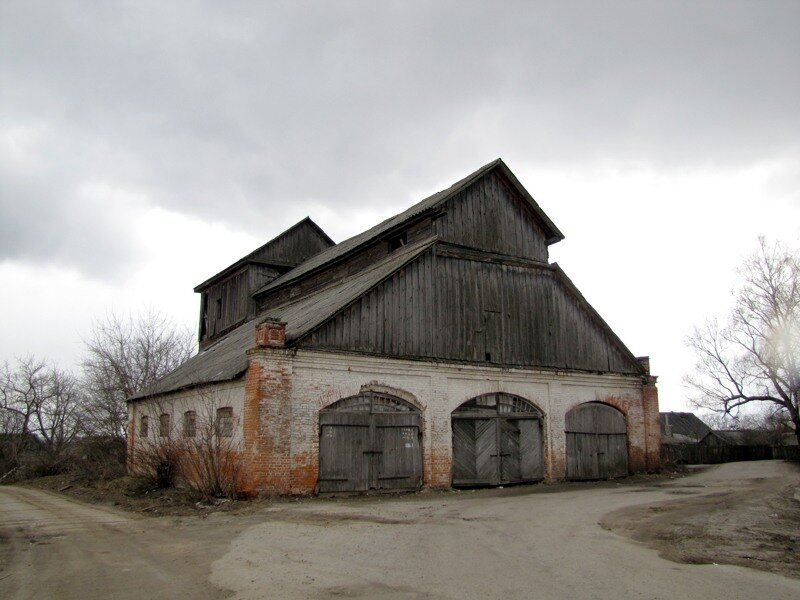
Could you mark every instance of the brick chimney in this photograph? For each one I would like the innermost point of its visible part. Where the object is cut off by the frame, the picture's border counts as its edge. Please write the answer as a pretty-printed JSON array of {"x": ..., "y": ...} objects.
[
  {"x": 271, "y": 333},
  {"x": 645, "y": 362}
]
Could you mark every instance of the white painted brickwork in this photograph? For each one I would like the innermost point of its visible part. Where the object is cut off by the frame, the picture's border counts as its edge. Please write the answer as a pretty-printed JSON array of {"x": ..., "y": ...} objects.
[
  {"x": 321, "y": 378},
  {"x": 204, "y": 401}
]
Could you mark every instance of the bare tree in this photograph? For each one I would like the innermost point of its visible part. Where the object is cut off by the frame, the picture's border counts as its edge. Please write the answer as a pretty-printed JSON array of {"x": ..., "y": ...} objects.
[
  {"x": 42, "y": 403},
  {"x": 124, "y": 356},
  {"x": 754, "y": 357}
]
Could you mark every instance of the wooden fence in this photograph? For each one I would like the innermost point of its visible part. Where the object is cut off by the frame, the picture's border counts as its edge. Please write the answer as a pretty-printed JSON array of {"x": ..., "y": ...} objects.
[{"x": 692, "y": 454}]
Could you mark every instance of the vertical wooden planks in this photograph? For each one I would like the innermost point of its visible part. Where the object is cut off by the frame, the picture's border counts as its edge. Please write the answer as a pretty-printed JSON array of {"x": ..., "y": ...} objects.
[{"x": 596, "y": 442}]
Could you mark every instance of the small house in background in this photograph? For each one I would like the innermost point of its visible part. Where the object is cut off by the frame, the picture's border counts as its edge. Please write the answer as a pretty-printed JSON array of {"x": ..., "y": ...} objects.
[
  {"x": 438, "y": 348},
  {"x": 682, "y": 428}
]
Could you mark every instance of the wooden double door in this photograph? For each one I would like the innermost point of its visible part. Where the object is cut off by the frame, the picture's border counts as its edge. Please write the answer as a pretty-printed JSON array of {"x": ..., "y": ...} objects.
[
  {"x": 369, "y": 442},
  {"x": 597, "y": 442},
  {"x": 497, "y": 439}
]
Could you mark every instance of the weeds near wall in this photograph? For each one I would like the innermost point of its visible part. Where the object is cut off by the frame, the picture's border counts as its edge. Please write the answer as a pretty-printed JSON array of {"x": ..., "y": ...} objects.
[
  {"x": 211, "y": 462},
  {"x": 192, "y": 449}
]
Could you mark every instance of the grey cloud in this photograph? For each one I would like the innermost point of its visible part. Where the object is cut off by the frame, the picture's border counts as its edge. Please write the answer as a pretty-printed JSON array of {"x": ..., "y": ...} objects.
[{"x": 233, "y": 111}]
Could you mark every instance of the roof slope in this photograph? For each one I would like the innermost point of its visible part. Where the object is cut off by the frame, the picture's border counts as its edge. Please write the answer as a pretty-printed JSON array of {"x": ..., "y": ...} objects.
[
  {"x": 428, "y": 204},
  {"x": 226, "y": 358}
]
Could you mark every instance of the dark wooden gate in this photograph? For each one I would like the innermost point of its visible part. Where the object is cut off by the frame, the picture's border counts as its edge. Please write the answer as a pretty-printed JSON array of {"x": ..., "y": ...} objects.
[
  {"x": 597, "y": 442},
  {"x": 497, "y": 439},
  {"x": 369, "y": 442}
]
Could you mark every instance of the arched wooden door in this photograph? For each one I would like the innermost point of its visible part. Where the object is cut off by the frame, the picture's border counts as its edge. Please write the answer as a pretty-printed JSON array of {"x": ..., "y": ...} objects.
[
  {"x": 497, "y": 439},
  {"x": 597, "y": 442},
  {"x": 369, "y": 442}
]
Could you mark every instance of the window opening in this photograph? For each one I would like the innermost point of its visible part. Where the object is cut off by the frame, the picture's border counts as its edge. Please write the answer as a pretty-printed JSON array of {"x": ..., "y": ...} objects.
[
  {"x": 143, "y": 427},
  {"x": 163, "y": 425},
  {"x": 189, "y": 424},
  {"x": 225, "y": 421},
  {"x": 398, "y": 241}
]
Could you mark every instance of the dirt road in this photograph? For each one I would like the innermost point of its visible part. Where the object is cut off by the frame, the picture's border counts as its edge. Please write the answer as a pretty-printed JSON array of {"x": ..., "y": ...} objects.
[{"x": 527, "y": 542}]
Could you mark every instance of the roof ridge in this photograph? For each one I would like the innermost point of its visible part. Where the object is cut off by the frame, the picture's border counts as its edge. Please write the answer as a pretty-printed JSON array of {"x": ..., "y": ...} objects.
[{"x": 356, "y": 241}]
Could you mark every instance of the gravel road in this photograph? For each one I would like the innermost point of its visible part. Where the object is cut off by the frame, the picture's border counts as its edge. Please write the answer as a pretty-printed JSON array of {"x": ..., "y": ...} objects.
[{"x": 525, "y": 542}]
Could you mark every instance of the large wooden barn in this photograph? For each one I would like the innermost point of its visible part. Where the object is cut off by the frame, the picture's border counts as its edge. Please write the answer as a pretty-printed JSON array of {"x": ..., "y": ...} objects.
[{"x": 439, "y": 348}]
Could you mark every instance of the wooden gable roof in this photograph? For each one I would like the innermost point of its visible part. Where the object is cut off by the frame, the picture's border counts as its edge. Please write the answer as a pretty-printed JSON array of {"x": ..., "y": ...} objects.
[
  {"x": 542, "y": 319},
  {"x": 399, "y": 221}
]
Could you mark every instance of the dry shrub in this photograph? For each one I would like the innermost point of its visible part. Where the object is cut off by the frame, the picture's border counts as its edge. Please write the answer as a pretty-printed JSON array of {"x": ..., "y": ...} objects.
[
  {"x": 211, "y": 470},
  {"x": 159, "y": 462}
]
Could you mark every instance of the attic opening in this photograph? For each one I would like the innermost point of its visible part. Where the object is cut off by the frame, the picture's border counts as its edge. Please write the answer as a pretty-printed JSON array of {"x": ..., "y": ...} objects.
[{"x": 398, "y": 241}]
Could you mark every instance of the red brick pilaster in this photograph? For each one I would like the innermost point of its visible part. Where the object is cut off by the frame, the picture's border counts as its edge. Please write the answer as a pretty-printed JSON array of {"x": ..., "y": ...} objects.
[
  {"x": 651, "y": 424},
  {"x": 266, "y": 419}
]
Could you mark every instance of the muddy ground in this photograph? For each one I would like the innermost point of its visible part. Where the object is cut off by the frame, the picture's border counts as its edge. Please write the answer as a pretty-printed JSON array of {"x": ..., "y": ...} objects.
[{"x": 754, "y": 523}]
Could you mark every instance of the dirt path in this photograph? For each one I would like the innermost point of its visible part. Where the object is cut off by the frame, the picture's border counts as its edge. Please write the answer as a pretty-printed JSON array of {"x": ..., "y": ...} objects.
[
  {"x": 54, "y": 547},
  {"x": 528, "y": 542}
]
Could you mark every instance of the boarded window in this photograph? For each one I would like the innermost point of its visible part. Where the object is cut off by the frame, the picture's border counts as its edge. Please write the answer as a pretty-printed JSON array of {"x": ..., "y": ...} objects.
[
  {"x": 225, "y": 421},
  {"x": 143, "y": 428},
  {"x": 189, "y": 424},
  {"x": 163, "y": 425}
]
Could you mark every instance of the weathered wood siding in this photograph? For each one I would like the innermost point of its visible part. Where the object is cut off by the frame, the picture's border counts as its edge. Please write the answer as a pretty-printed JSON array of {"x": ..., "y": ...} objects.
[
  {"x": 489, "y": 216},
  {"x": 396, "y": 317},
  {"x": 225, "y": 304},
  {"x": 518, "y": 315},
  {"x": 235, "y": 293},
  {"x": 597, "y": 442},
  {"x": 348, "y": 266},
  {"x": 295, "y": 246},
  {"x": 468, "y": 310}
]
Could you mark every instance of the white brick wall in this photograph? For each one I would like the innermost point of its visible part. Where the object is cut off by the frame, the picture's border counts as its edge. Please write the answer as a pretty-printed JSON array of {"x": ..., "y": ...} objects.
[
  {"x": 317, "y": 379},
  {"x": 321, "y": 378},
  {"x": 204, "y": 401}
]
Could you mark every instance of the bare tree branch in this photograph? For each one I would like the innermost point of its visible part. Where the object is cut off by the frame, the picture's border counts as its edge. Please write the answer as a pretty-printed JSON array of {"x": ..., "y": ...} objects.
[{"x": 755, "y": 357}]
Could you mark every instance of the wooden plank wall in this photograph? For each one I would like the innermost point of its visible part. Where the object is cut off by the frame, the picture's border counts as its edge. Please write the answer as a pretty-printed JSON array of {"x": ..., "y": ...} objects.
[
  {"x": 294, "y": 247},
  {"x": 466, "y": 310},
  {"x": 518, "y": 315},
  {"x": 352, "y": 265},
  {"x": 395, "y": 318},
  {"x": 234, "y": 293},
  {"x": 489, "y": 216}
]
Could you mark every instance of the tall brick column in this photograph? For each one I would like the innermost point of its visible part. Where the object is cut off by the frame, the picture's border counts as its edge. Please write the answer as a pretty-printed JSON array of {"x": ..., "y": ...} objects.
[
  {"x": 266, "y": 419},
  {"x": 652, "y": 424}
]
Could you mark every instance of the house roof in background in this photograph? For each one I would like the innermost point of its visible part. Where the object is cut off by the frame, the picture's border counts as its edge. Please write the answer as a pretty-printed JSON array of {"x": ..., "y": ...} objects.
[{"x": 684, "y": 427}]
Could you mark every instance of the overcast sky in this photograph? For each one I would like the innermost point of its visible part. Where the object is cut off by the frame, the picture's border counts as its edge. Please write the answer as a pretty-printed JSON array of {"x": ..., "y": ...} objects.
[{"x": 145, "y": 146}]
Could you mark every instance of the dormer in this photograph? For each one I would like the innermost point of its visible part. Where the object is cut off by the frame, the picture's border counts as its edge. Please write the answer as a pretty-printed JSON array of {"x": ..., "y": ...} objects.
[{"x": 227, "y": 297}]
